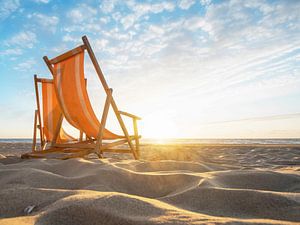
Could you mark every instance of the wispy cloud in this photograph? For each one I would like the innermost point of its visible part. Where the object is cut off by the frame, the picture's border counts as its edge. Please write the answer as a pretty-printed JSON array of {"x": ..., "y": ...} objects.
[
  {"x": 42, "y": 1},
  {"x": 69, "y": 38},
  {"x": 45, "y": 21},
  {"x": 8, "y": 7},
  {"x": 23, "y": 39},
  {"x": 107, "y": 6},
  {"x": 205, "y": 2},
  {"x": 81, "y": 13},
  {"x": 25, "y": 65},
  {"x": 11, "y": 52},
  {"x": 186, "y": 4},
  {"x": 142, "y": 9}
]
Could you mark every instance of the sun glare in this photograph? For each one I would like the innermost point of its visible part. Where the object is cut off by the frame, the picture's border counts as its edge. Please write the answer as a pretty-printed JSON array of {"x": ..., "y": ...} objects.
[{"x": 159, "y": 126}]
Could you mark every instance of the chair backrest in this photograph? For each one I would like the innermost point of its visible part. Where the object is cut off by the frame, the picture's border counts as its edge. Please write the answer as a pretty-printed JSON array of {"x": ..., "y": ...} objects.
[
  {"x": 52, "y": 113},
  {"x": 73, "y": 97}
]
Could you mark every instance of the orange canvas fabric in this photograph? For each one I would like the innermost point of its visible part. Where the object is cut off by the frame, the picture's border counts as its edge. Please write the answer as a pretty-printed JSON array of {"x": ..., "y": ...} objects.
[
  {"x": 51, "y": 114},
  {"x": 73, "y": 97}
]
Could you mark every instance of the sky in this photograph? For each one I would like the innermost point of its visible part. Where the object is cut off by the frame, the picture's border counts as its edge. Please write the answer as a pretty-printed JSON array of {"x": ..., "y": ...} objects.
[{"x": 189, "y": 68}]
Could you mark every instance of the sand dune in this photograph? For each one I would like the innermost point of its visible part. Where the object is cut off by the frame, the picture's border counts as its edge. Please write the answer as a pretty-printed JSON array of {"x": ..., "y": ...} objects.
[{"x": 124, "y": 191}]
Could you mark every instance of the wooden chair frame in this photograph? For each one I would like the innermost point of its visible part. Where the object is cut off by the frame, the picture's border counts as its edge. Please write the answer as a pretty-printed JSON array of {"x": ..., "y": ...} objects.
[
  {"x": 38, "y": 119},
  {"x": 99, "y": 147},
  {"x": 37, "y": 116}
]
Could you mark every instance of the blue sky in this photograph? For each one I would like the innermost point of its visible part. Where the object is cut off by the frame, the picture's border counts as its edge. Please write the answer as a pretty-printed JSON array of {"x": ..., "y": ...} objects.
[{"x": 190, "y": 68}]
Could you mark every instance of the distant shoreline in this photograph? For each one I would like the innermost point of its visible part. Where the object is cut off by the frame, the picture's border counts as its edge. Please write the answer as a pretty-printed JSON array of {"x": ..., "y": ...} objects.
[{"x": 254, "y": 142}]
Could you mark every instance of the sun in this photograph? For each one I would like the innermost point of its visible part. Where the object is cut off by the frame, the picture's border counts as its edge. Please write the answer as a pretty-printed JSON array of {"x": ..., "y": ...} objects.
[{"x": 159, "y": 126}]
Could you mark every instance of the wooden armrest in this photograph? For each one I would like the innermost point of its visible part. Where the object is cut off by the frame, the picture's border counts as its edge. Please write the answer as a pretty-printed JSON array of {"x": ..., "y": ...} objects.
[{"x": 130, "y": 115}]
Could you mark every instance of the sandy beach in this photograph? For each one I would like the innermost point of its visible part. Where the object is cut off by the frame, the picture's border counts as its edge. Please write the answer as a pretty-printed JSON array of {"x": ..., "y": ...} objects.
[
  {"x": 162, "y": 112},
  {"x": 172, "y": 184}
]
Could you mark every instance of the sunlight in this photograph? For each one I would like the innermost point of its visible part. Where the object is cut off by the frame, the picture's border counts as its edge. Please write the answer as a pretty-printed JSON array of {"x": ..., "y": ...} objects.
[{"x": 159, "y": 126}]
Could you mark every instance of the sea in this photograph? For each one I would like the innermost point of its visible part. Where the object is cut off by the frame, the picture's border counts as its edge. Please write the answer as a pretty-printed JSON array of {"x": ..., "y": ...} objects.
[{"x": 188, "y": 141}]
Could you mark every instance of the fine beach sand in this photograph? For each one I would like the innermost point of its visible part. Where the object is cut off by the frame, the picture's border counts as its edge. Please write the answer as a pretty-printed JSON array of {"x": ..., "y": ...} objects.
[{"x": 172, "y": 184}]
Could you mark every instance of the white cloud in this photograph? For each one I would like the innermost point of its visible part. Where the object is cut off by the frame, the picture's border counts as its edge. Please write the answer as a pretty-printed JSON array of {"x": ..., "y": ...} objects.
[
  {"x": 7, "y": 7},
  {"x": 101, "y": 44},
  {"x": 143, "y": 9},
  {"x": 186, "y": 4},
  {"x": 104, "y": 20},
  {"x": 45, "y": 21},
  {"x": 81, "y": 12},
  {"x": 195, "y": 23},
  {"x": 163, "y": 6},
  {"x": 232, "y": 19},
  {"x": 116, "y": 16},
  {"x": 156, "y": 29},
  {"x": 42, "y": 1},
  {"x": 107, "y": 6},
  {"x": 26, "y": 65},
  {"x": 128, "y": 21},
  {"x": 59, "y": 48},
  {"x": 205, "y": 2},
  {"x": 69, "y": 38},
  {"x": 24, "y": 39},
  {"x": 11, "y": 52}
]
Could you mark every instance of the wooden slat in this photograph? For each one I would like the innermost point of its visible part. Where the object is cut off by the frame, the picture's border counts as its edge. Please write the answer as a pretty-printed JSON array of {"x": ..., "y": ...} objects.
[
  {"x": 31, "y": 155},
  {"x": 116, "y": 143},
  {"x": 119, "y": 150},
  {"x": 86, "y": 141},
  {"x": 48, "y": 63},
  {"x": 44, "y": 80},
  {"x": 75, "y": 155},
  {"x": 57, "y": 150},
  {"x": 74, "y": 145},
  {"x": 92, "y": 146},
  {"x": 130, "y": 115},
  {"x": 64, "y": 154},
  {"x": 67, "y": 54}
]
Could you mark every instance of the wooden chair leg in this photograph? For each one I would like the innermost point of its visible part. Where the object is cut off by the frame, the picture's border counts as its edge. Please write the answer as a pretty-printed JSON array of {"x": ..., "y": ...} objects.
[
  {"x": 102, "y": 126},
  {"x": 45, "y": 145},
  {"x": 34, "y": 132},
  {"x": 57, "y": 130},
  {"x": 81, "y": 136},
  {"x": 121, "y": 122},
  {"x": 38, "y": 110},
  {"x": 136, "y": 136}
]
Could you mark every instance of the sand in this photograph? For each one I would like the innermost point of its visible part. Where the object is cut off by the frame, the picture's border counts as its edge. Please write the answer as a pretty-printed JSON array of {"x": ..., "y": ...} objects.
[{"x": 172, "y": 184}]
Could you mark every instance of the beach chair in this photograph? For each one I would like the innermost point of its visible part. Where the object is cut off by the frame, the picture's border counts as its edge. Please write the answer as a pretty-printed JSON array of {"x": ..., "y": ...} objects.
[
  {"x": 69, "y": 82},
  {"x": 47, "y": 121}
]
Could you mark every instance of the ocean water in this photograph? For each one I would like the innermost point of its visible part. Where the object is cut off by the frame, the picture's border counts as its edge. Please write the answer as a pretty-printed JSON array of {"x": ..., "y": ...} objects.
[
  {"x": 188, "y": 141},
  {"x": 224, "y": 141},
  {"x": 15, "y": 140}
]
